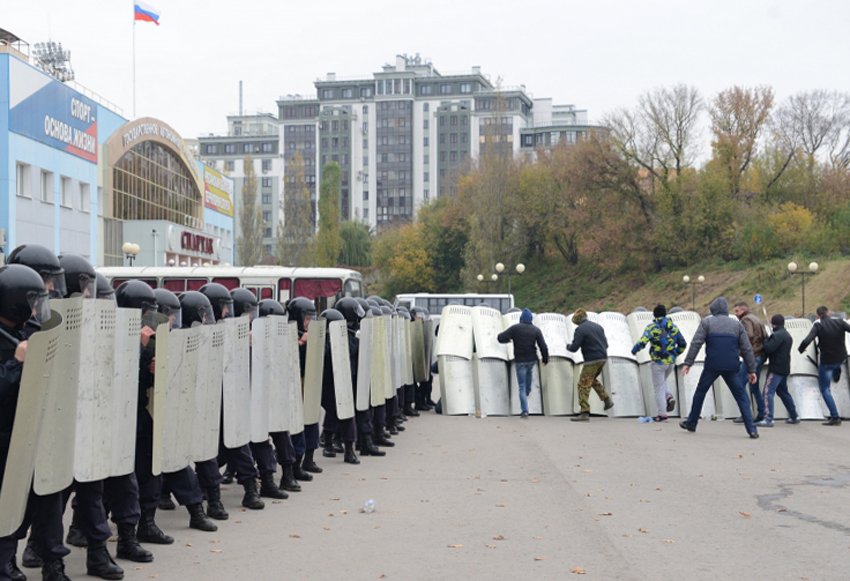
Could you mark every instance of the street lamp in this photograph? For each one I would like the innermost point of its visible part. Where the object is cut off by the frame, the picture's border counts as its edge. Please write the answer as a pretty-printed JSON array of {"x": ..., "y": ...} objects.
[
  {"x": 500, "y": 268},
  {"x": 693, "y": 283},
  {"x": 813, "y": 269},
  {"x": 131, "y": 251}
]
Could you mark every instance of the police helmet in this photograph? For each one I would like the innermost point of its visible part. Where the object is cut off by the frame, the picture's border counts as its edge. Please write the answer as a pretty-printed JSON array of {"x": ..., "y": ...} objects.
[
  {"x": 420, "y": 313},
  {"x": 351, "y": 310},
  {"x": 301, "y": 310},
  {"x": 45, "y": 263},
  {"x": 135, "y": 294},
  {"x": 168, "y": 305},
  {"x": 195, "y": 308},
  {"x": 80, "y": 278},
  {"x": 244, "y": 303},
  {"x": 22, "y": 295},
  {"x": 386, "y": 310},
  {"x": 373, "y": 303},
  {"x": 380, "y": 300},
  {"x": 268, "y": 307},
  {"x": 403, "y": 312},
  {"x": 104, "y": 289},
  {"x": 375, "y": 311},
  {"x": 332, "y": 315},
  {"x": 220, "y": 299}
]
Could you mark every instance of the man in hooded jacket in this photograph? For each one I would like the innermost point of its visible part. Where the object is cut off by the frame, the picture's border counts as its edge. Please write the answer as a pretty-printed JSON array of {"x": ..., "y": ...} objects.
[{"x": 525, "y": 337}]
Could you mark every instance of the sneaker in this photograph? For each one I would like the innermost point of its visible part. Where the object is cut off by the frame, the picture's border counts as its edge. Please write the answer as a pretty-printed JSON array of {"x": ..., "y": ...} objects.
[
  {"x": 754, "y": 435},
  {"x": 609, "y": 403},
  {"x": 686, "y": 426},
  {"x": 792, "y": 421},
  {"x": 671, "y": 403},
  {"x": 832, "y": 422},
  {"x": 659, "y": 419},
  {"x": 524, "y": 415},
  {"x": 765, "y": 423},
  {"x": 582, "y": 417}
]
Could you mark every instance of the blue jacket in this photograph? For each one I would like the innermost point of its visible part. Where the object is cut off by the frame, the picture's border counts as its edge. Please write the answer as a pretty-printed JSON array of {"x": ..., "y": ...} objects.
[{"x": 724, "y": 337}]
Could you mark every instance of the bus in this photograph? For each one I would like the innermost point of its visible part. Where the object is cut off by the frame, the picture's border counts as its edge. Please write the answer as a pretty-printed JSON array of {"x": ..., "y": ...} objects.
[
  {"x": 435, "y": 302},
  {"x": 322, "y": 285}
]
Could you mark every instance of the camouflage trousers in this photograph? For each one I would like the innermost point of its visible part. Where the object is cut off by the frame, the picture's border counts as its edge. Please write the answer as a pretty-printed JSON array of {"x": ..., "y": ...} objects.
[{"x": 590, "y": 378}]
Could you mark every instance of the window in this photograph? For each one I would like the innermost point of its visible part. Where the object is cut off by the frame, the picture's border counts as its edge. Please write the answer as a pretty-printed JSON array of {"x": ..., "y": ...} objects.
[
  {"x": 425, "y": 124},
  {"x": 406, "y": 86},
  {"x": 466, "y": 87},
  {"x": 85, "y": 197},
  {"x": 426, "y": 159},
  {"x": 267, "y": 199},
  {"x": 65, "y": 192},
  {"x": 228, "y": 165},
  {"x": 334, "y": 125},
  {"x": 22, "y": 177},
  {"x": 454, "y": 120},
  {"x": 425, "y": 177},
  {"x": 426, "y": 107},
  {"x": 229, "y": 148},
  {"x": 247, "y": 148},
  {"x": 267, "y": 165},
  {"x": 267, "y": 216},
  {"x": 267, "y": 233},
  {"x": 211, "y": 149},
  {"x": 268, "y": 147},
  {"x": 365, "y": 195},
  {"x": 46, "y": 187},
  {"x": 380, "y": 87},
  {"x": 327, "y": 94},
  {"x": 453, "y": 138},
  {"x": 365, "y": 93},
  {"x": 425, "y": 141},
  {"x": 426, "y": 90},
  {"x": 347, "y": 93},
  {"x": 267, "y": 182},
  {"x": 445, "y": 89}
]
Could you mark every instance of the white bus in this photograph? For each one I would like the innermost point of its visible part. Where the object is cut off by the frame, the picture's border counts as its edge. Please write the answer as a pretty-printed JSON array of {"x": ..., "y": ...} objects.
[
  {"x": 435, "y": 302},
  {"x": 323, "y": 285}
]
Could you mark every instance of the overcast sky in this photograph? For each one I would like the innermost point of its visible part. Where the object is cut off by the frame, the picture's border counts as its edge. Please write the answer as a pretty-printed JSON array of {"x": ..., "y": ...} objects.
[{"x": 598, "y": 55}]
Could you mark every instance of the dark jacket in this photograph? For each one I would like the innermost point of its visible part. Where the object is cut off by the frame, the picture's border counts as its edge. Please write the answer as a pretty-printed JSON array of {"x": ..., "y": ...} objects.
[
  {"x": 10, "y": 384},
  {"x": 830, "y": 335},
  {"x": 525, "y": 336},
  {"x": 777, "y": 348},
  {"x": 755, "y": 333},
  {"x": 590, "y": 338},
  {"x": 724, "y": 337}
]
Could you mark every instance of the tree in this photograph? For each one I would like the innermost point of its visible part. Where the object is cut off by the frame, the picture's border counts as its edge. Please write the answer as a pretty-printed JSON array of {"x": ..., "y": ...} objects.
[
  {"x": 356, "y": 248},
  {"x": 249, "y": 245},
  {"x": 328, "y": 240},
  {"x": 404, "y": 263},
  {"x": 294, "y": 244},
  {"x": 445, "y": 232}
]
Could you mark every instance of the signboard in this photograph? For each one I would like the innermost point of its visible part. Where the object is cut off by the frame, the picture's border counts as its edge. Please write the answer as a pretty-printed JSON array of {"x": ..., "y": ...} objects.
[{"x": 218, "y": 192}]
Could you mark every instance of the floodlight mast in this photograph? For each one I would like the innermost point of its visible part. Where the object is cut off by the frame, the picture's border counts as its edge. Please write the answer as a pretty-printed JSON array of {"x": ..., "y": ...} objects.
[{"x": 54, "y": 60}]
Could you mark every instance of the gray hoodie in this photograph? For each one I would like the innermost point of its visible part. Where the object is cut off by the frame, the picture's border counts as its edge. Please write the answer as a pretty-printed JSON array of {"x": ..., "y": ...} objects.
[{"x": 724, "y": 338}]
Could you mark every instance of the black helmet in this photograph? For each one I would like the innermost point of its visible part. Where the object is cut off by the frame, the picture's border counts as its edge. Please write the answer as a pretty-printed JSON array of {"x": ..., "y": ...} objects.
[
  {"x": 135, "y": 294},
  {"x": 301, "y": 310},
  {"x": 45, "y": 263},
  {"x": 104, "y": 289},
  {"x": 372, "y": 302},
  {"x": 386, "y": 310},
  {"x": 351, "y": 310},
  {"x": 375, "y": 311},
  {"x": 380, "y": 300},
  {"x": 195, "y": 308},
  {"x": 271, "y": 307},
  {"x": 244, "y": 302},
  {"x": 332, "y": 315},
  {"x": 168, "y": 304},
  {"x": 22, "y": 295},
  {"x": 403, "y": 312},
  {"x": 80, "y": 277},
  {"x": 420, "y": 313},
  {"x": 220, "y": 299}
]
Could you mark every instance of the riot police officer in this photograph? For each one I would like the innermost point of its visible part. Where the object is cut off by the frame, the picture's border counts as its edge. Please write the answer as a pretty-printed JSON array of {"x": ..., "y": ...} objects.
[
  {"x": 346, "y": 428},
  {"x": 302, "y": 311},
  {"x": 423, "y": 389}
]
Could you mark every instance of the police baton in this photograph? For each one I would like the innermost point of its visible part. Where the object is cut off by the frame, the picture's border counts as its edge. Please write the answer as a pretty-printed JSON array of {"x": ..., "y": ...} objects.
[{"x": 12, "y": 339}]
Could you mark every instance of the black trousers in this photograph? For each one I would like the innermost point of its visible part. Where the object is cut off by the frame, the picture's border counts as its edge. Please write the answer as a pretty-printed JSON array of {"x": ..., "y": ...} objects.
[
  {"x": 264, "y": 455},
  {"x": 283, "y": 447},
  {"x": 89, "y": 509},
  {"x": 306, "y": 440},
  {"x": 44, "y": 515},
  {"x": 121, "y": 499}
]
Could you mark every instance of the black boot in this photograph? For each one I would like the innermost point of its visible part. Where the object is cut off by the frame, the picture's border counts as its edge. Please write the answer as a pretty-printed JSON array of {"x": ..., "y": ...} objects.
[
  {"x": 129, "y": 547},
  {"x": 381, "y": 439},
  {"x": 337, "y": 443},
  {"x": 287, "y": 481},
  {"x": 30, "y": 558},
  {"x": 198, "y": 520},
  {"x": 328, "y": 446},
  {"x": 368, "y": 448},
  {"x": 309, "y": 465},
  {"x": 149, "y": 532},
  {"x": 214, "y": 507},
  {"x": 228, "y": 476},
  {"x": 350, "y": 456},
  {"x": 252, "y": 496},
  {"x": 54, "y": 570},
  {"x": 13, "y": 572},
  {"x": 409, "y": 411},
  {"x": 165, "y": 502},
  {"x": 75, "y": 535},
  {"x": 392, "y": 428},
  {"x": 299, "y": 472},
  {"x": 99, "y": 562},
  {"x": 269, "y": 489}
]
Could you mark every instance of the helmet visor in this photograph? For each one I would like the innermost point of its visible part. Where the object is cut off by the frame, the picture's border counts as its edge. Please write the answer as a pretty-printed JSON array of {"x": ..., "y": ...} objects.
[
  {"x": 55, "y": 284},
  {"x": 39, "y": 302},
  {"x": 205, "y": 315},
  {"x": 88, "y": 286},
  {"x": 226, "y": 309},
  {"x": 252, "y": 312},
  {"x": 175, "y": 316}
]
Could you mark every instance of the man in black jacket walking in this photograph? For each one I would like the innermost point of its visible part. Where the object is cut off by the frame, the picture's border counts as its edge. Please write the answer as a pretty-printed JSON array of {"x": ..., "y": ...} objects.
[
  {"x": 590, "y": 338},
  {"x": 777, "y": 348},
  {"x": 833, "y": 352},
  {"x": 525, "y": 337}
]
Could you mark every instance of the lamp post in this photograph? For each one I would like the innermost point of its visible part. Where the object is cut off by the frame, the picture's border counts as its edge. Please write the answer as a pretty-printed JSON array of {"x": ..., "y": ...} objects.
[
  {"x": 813, "y": 269},
  {"x": 693, "y": 283},
  {"x": 500, "y": 268},
  {"x": 131, "y": 251}
]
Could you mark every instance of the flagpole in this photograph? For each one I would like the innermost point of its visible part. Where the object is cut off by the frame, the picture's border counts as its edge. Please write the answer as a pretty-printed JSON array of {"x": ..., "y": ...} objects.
[{"x": 134, "y": 62}]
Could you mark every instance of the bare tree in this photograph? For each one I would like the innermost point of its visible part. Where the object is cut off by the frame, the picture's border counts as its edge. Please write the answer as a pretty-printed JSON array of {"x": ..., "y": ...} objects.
[
  {"x": 295, "y": 241},
  {"x": 249, "y": 245}
]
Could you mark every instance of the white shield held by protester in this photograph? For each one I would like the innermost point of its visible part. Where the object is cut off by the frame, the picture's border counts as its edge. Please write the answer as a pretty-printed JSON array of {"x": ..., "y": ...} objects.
[
  {"x": 486, "y": 326},
  {"x": 364, "y": 365},
  {"x": 42, "y": 348},
  {"x": 535, "y": 396},
  {"x": 554, "y": 327},
  {"x": 93, "y": 445},
  {"x": 125, "y": 394},
  {"x": 285, "y": 377},
  {"x": 179, "y": 407},
  {"x": 638, "y": 321},
  {"x": 417, "y": 348},
  {"x": 455, "y": 336},
  {"x": 206, "y": 426},
  {"x": 492, "y": 386},
  {"x": 508, "y": 320},
  {"x": 457, "y": 387},
  {"x": 261, "y": 378},
  {"x": 236, "y": 396},
  {"x": 380, "y": 366},
  {"x": 803, "y": 380},
  {"x": 314, "y": 369},
  {"x": 341, "y": 365},
  {"x": 54, "y": 457},
  {"x": 557, "y": 379},
  {"x": 687, "y": 389}
]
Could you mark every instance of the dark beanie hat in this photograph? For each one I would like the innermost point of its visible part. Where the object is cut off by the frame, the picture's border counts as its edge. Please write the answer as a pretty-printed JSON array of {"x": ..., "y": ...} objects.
[
  {"x": 659, "y": 311},
  {"x": 777, "y": 321}
]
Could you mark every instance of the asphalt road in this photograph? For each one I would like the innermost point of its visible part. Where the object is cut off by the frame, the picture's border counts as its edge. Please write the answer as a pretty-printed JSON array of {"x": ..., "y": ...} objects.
[{"x": 544, "y": 498}]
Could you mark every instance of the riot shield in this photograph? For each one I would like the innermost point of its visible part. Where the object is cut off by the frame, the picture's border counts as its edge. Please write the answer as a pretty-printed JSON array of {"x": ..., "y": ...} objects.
[
  {"x": 236, "y": 384},
  {"x": 364, "y": 365},
  {"x": 397, "y": 351},
  {"x": 390, "y": 361},
  {"x": 379, "y": 368},
  {"x": 179, "y": 405},
  {"x": 206, "y": 426},
  {"x": 508, "y": 320},
  {"x": 455, "y": 336},
  {"x": 430, "y": 338},
  {"x": 283, "y": 376},
  {"x": 803, "y": 381},
  {"x": 156, "y": 395},
  {"x": 407, "y": 345},
  {"x": 341, "y": 365},
  {"x": 93, "y": 442},
  {"x": 42, "y": 349},
  {"x": 261, "y": 377},
  {"x": 417, "y": 350},
  {"x": 535, "y": 398},
  {"x": 687, "y": 388},
  {"x": 54, "y": 455},
  {"x": 621, "y": 375},
  {"x": 492, "y": 386},
  {"x": 314, "y": 370},
  {"x": 638, "y": 322},
  {"x": 486, "y": 325},
  {"x": 457, "y": 387},
  {"x": 292, "y": 379},
  {"x": 558, "y": 386},
  {"x": 688, "y": 323},
  {"x": 125, "y": 383},
  {"x": 554, "y": 329}
]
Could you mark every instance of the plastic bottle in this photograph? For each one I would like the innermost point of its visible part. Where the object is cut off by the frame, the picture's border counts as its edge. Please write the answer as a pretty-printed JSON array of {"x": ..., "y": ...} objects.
[
  {"x": 645, "y": 420},
  {"x": 369, "y": 506}
]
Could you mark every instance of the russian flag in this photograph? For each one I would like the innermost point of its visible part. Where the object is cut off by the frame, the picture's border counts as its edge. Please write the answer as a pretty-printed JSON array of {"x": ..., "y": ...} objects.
[{"x": 145, "y": 13}]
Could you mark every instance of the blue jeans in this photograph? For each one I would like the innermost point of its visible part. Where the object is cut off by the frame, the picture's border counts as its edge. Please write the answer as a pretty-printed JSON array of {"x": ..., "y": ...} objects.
[
  {"x": 824, "y": 381},
  {"x": 754, "y": 387},
  {"x": 733, "y": 381},
  {"x": 778, "y": 385},
  {"x": 524, "y": 375}
]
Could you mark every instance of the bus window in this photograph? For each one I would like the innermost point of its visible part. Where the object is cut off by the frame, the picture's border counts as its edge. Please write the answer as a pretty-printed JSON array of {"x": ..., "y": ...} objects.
[
  {"x": 266, "y": 293},
  {"x": 229, "y": 283},
  {"x": 151, "y": 282},
  {"x": 353, "y": 288},
  {"x": 313, "y": 288},
  {"x": 175, "y": 285},
  {"x": 283, "y": 287}
]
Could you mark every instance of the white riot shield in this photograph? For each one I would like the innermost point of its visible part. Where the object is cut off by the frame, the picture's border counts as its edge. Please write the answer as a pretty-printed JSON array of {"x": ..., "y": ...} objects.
[
  {"x": 341, "y": 365},
  {"x": 457, "y": 388},
  {"x": 54, "y": 456},
  {"x": 688, "y": 323},
  {"x": 364, "y": 364},
  {"x": 206, "y": 427},
  {"x": 535, "y": 398},
  {"x": 93, "y": 442},
  {"x": 380, "y": 366},
  {"x": 390, "y": 359},
  {"x": 486, "y": 326},
  {"x": 803, "y": 381},
  {"x": 156, "y": 396},
  {"x": 430, "y": 344},
  {"x": 687, "y": 389},
  {"x": 284, "y": 376},
  {"x": 417, "y": 348},
  {"x": 236, "y": 384},
  {"x": 638, "y": 321},
  {"x": 559, "y": 387},
  {"x": 314, "y": 370},
  {"x": 42, "y": 349},
  {"x": 508, "y": 320},
  {"x": 292, "y": 379},
  {"x": 408, "y": 347},
  {"x": 492, "y": 386},
  {"x": 621, "y": 379},
  {"x": 125, "y": 383},
  {"x": 455, "y": 337},
  {"x": 179, "y": 405},
  {"x": 574, "y": 356},
  {"x": 397, "y": 349},
  {"x": 261, "y": 378},
  {"x": 554, "y": 329}
]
